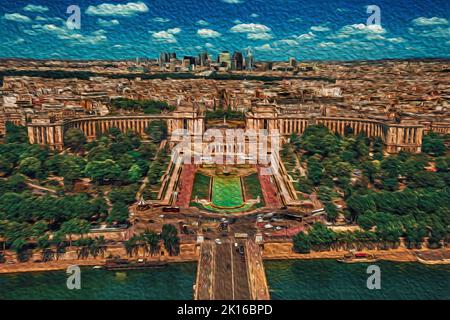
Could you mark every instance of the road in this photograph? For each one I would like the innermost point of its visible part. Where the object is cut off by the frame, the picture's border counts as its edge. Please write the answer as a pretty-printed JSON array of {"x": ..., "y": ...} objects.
[{"x": 223, "y": 273}]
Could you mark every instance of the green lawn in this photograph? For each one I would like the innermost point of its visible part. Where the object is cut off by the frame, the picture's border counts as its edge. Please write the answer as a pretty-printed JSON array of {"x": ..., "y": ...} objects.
[
  {"x": 201, "y": 186},
  {"x": 227, "y": 192},
  {"x": 252, "y": 186}
]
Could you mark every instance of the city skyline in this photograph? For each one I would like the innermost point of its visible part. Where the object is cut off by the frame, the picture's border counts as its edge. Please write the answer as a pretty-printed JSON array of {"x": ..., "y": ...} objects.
[{"x": 330, "y": 31}]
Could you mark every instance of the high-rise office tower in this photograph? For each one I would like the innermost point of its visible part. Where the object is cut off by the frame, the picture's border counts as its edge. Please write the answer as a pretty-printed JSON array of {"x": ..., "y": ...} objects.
[
  {"x": 238, "y": 59},
  {"x": 225, "y": 59},
  {"x": 190, "y": 58},
  {"x": 189, "y": 62},
  {"x": 163, "y": 58},
  {"x": 292, "y": 62},
  {"x": 203, "y": 57},
  {"x": 249, "y": 60}
]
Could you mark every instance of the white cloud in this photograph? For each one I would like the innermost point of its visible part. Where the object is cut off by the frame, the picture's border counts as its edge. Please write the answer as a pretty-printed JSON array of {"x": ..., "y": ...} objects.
[
  {"x": 75, "y": 38},
  {"x": 237, "y": 21},
  {"x": 422, "y": 21},
  {"x": 30, "y": 32},
  {"x": 379, "y": 37},
  {"x": 320, "y": 28},
  {"x": 375, "y": 37},
  {"x": 209, "y": 45},
  {"x": 327, "y": 44},
  {"x": 174, "y": 30},
  {"x": 259, "y": 36},
  {"x": 306, "y": 36},
  {"x": 202, "y": 23},
  {"x": 438, "y": 32},
  {"x": 166, "y": 36},
  {"x": 285, "y": 42},
  {"x": 254, "y": 15},
  {"x": 254, "y": 31},
  {"x": 35, "y": 8},
  {"x": 250, "y": 28},
  {"x": 124, "y": 10},
  {"x": 56, "y": 19},
  {"x": 208, "y": 33},
  {"x": 108, "y": 23},
  {"x": 264, "y": 47},
  {"x": 296, "y": 19},
  {"x": 363, "y": 28},
  {"x": 160, "y": 20},
  {"x": 16, "y": 17},
  {"x": 233, "y": 1},
  {"x": 358, "y": 29},
  {"x": 396, "y": 40}
]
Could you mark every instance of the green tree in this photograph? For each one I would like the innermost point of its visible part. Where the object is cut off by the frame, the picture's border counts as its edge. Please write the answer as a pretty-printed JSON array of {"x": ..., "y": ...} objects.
[
  {"x": 434, "y": 144},
  {"x": 371, "y": 170},
  {"x": 16, "y": 134},
  {"x": 360, "y": 204},
  {"x": 332, "y": 211},
  {"x": 75, "y": 139},
  {"x": 414, "y": 234},
  {"x": 152, "y": 240},
  {"x": 5, "y": 165},
  {"x": 157, "y": 130},
  {"x": 75, "y": 226},
  {"x": 321, "y": 237},
  {"x": 30, "y": 166},
  {"x": 315, "y": 171},
  {"x": 319, "y": 140},
  {"x": 135, "y": 173},
  {"x": 119, "y": 213},
  {"x": 103, "y": 171},
  {"x": 437, "y": 234},
  {"x": 377, "y": 148},
  {"x": 20, "y": 246},
  {"x": 72, "y": 169},
  {"x": 43, "y": 244},
  {"x": 169, "y": 234},
  {"x": 367, "y": 220},
  {"x": 301, "y": 243}
]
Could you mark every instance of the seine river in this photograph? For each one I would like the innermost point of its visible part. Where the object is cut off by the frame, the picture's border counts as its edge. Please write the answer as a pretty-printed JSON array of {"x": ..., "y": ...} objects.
[{"x": 292, "y": 279}]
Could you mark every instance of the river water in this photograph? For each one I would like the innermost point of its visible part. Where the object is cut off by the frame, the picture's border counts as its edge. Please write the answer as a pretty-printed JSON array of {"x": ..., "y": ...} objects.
[
  {"x": 329, "y": 279},
  {"x": 288, "y": 279}
]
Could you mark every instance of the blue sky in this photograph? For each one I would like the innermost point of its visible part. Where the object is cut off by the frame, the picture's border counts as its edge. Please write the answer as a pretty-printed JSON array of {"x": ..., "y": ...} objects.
[{"x": 275, "y": 29}]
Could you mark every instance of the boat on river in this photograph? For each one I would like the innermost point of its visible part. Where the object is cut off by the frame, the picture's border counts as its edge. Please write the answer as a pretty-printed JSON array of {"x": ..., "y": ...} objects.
[
  {"x": 358, "y": 257},
  {"x": 125, "y": 264}
]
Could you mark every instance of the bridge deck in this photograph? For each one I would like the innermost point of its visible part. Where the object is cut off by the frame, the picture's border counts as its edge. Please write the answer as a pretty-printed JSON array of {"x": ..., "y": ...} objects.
[{"x": 226, "y": 274}]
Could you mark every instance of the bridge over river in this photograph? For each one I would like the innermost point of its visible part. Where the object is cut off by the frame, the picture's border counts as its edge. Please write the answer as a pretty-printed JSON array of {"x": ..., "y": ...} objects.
[{"x": 226, "y": 272}]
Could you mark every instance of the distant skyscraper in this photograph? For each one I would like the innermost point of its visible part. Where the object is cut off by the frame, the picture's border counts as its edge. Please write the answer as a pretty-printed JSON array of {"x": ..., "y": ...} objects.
[
  {"x": 238, "y": 59},
  {"x": 163, "y": 58},
  {"x": 249, "y": 60},
  {"x": 191, "y": 59},
  {"x": 204, "y": 59},
  {"x": 225, "y": 59},
  {"x": 189, "y": 62},
  {"x": 292, "y": 62}
]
